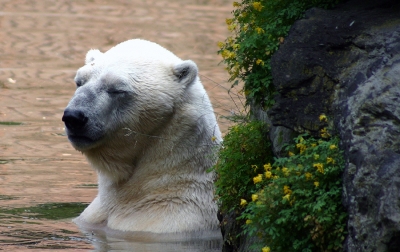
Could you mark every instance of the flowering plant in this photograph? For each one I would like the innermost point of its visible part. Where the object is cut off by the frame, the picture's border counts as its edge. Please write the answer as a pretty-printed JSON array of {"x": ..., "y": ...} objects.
[
  {"x": 258, "y": 28},
  {"x": 302, "y": 192},
  {"x": 245, "y": 148}
]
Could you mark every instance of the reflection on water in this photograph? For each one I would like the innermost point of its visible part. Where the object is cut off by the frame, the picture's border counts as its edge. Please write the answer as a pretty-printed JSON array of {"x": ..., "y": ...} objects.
[
  {"x": 42, "y": 44},
  {"x": 28, "y": 227},
  {"x": 187, "y": 246},
  {"x": 51, "y": 211},
  {"x": 147, "y": 242}
]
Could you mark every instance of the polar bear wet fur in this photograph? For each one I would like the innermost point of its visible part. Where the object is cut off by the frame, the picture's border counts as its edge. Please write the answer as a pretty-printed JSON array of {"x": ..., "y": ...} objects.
[{"x": 143, "y": 120}]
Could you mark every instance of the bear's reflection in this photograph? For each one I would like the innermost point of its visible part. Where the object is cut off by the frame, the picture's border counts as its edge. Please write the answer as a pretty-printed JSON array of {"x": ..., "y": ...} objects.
[{"x": 104, "y": 239}]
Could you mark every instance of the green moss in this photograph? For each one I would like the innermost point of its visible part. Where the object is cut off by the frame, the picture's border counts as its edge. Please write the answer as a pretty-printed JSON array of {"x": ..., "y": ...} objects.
[{"x": 280, "y": 138}]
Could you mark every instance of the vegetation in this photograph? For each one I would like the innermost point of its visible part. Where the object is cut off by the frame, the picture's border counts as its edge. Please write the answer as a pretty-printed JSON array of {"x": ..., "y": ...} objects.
[
  {"x": 291, "y": 203},
  {"x": 298, "y": 203},
  {"x": 246, "y": 149},
  {"x": 258, "y": 28}
]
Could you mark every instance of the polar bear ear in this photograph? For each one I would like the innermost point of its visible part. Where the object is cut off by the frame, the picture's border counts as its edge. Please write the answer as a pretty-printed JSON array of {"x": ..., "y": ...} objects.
[
  {"x": 91, "y": 55},
  {"x": 186, "y": 72}
]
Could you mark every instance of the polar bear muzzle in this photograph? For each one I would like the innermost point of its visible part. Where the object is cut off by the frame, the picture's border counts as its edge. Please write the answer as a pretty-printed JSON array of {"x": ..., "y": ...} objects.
[
  {"x": 80, "y": 130},
  {"x": 75, "y": 123},
  {"x": 74, "y": 120}
]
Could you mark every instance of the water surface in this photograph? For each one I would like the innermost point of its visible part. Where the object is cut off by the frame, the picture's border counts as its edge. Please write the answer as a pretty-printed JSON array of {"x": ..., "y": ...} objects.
[{"x": 44, "y": 182}]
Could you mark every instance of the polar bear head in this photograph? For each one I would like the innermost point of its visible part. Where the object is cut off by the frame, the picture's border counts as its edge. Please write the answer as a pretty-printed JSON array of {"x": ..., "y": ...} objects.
[{"x": 135, "y": 86}]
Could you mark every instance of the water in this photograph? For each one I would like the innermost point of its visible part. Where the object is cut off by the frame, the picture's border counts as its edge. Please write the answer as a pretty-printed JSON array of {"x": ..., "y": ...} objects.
[{"x": 44, "y": 182}]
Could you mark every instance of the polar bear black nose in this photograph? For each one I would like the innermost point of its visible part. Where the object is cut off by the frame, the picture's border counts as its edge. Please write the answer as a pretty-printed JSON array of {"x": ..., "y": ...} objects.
[{"x": 74, "y": 119}]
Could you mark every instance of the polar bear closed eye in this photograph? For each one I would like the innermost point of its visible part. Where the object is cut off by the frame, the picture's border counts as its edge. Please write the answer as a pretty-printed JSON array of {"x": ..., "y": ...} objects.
[{"x": 143, "y": 120}]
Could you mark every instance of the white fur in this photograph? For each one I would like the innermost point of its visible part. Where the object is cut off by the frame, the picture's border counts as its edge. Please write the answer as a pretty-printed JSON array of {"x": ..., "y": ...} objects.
[{"x": 151, "y": 145}]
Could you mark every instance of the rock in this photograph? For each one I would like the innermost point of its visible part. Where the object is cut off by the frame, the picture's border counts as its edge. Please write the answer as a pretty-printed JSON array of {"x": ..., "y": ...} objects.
[
  {"x": 279, "y": 135},
  {"x": 369, "y": 123},
  {"x": 345, "y": 63},
  {"x": 234, "y": 240}
]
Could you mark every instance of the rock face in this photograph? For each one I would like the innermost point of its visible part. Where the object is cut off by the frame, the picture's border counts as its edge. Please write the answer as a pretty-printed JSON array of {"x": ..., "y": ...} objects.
[{"x": 346, "y": 63}]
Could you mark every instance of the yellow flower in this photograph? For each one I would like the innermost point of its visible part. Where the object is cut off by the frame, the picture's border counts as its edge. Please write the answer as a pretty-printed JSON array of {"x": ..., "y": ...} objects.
[
  {"x": 268, "y": 174},
  {"x": 254, "y": 197},
  {"x": 259, "y": 61},
  {"x": 266, "y": 249},
  {"x": 323, "y": 118},
  {"x": 332, "y": 147},
  {"x": 302, "y": 147},
  {"x": 316, "y": 183},
  {"x": 308, "y": 175},
  {"x": 236, "y": 46},
  {"x": 275, "y": 177},
  {"x": 285, "y": 171},
  {"x": 267, "y": 167},
  {"x": 255, "y": 167},
  {"x": 257, "y": 6},
  {"x": 226, "y": 54},
  {"x": 287, "y": 197},
  {"x": 257, "y": 179},
  {"x": 236, "y": 4},
  {"x": 232, "y": 27},
  {"x": 291, "y": 154},
  {"x": 248, "y": 222},
  {"x": 243, "y": 202},
  {"x": 221, "y": 44},
  {"x": 320, "y": 167},
  {"x": 229, "y": 21},
  {"x": 316, "y": 156},
  {"x": 330, "y": 160},
  {"x": 259, "y": 30},
  {"x": 325, "y": 133},
  {"x": 313, "y": 145},
  {"x": 286, "y": 190},
  {"x": 213, "y": 138}
]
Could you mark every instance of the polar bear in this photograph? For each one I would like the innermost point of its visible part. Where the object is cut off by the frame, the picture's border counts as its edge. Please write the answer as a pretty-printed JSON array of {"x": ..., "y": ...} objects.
[{"x": 143, "y": 120}]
